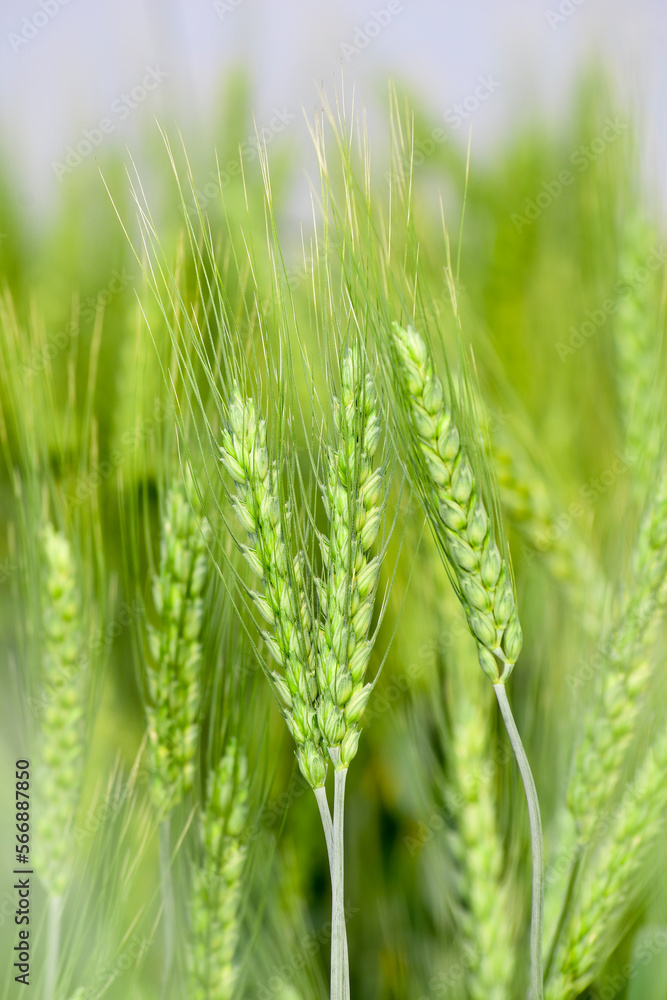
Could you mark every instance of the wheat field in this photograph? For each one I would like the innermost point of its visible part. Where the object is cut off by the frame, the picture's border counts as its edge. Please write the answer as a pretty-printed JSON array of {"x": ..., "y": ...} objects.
[{"x": 333, "y": 572}]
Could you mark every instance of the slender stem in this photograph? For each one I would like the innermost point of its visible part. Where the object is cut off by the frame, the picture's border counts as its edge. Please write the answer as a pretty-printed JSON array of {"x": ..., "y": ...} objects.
[
  {"x": 167, "y": 902},
  {"x": 339, "y": 970},
  {"x": 52, "y": 946},
  {"x": 327, "y": 825},
  {"x": 537, "y": 915}
]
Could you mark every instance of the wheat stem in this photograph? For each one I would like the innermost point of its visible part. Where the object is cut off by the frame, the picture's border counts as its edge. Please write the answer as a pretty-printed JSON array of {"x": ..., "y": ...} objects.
[
  {"x": 339, "y": 969},
  {"x": 537, "y": 915},
  {"x": 327, "y": 826},
  {"x": 52, "y": 946}
]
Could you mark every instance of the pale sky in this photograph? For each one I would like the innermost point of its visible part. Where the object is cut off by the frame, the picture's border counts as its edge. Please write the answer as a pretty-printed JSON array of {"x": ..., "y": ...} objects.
[{"x": 68, "y": 64}]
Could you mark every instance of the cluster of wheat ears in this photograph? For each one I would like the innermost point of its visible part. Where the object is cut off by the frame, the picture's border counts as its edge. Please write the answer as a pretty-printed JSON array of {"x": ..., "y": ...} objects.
[{"x": 307, "y": 434}]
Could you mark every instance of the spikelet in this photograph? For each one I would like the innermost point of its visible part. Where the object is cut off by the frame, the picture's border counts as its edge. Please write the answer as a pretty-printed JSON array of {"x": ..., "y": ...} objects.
[
  {"x": 61, "y": 745},
  {"x": 175, "y": 648},
  {"x": 457, "y": 511},
  {"x": 217, "y": 880}
]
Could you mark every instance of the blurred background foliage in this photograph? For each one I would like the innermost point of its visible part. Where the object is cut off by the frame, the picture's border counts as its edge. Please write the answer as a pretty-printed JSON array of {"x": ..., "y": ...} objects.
[{"x": 541, "y": 259}]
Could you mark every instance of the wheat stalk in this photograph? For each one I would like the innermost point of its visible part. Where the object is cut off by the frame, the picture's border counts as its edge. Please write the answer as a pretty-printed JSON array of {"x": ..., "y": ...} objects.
[
  {"x": 324, "y": 654},
  {"x": 481, "y": 575}
]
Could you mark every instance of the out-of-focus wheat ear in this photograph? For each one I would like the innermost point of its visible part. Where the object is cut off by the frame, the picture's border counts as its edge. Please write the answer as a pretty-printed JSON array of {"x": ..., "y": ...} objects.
[
  {"x": 61, "y": 741},
  {"x": 529, "y": 505},
  {"x": 173, "y": 668},
  {"x": 624, "y": 675},
  {"x": 638, "y": 342},
  {"x": 612, "y": 882},
  {"x": 486, "y": 920},
  {"x": 218, "y": 880},
  {"x": 60, "y": 754},
  {"x": 175, "y": 652}
]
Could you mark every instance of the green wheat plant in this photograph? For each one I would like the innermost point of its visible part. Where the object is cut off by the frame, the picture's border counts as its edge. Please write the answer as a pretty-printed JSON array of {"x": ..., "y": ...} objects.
[
  {"x": 624, "y": 675},
  {"x": 173, "y": 673},
  {"x": 219, "y": 601},
  {"x": 613, "y": 880},
  {"x": 443, "y": 450},
  {"x": 321, "y": 686},
  {"x": 62, "y": 739}
]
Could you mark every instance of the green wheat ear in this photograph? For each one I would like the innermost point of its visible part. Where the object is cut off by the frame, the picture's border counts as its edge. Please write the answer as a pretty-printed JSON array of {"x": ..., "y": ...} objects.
[
  {"x": 611, "y": 726},
  {"x": 283, "y": 605},
  {"x": 612, "y": 882},
  {"x": 354, "y": 501},
  {"x": 218, "y": 880},
  {"x": 175, "y": 647},
  {"x": 480, "y": 573},
  {"x": 60, "y": 768},
  {"x": 454, "y": 503}
]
